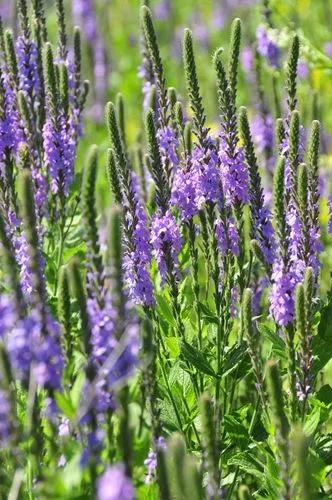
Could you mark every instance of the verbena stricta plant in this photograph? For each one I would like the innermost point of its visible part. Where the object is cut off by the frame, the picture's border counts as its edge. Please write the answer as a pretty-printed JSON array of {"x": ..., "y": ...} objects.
[{"x": 171, "y": 340}]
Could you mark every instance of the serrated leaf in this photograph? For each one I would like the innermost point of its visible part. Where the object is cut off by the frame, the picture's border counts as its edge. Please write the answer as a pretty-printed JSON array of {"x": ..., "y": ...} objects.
[
  {"x": 248, "y": 463},
  {"x": 278, "y": 345},
  {"x": 196, "y": 358},
  {"x": 233, "y": 358},
  {"x": 325, "y": 394},
  {"x": 325, "y": 324},
  {"x": 173, "y": 344},
  {"x": 235, "y": 429},
  {"x": 165, "y": 310},
  {"x": 208, "y": 315},
  {"x": 312, "y": 422},
  {"x": 65, "y": 404},
  {"x": 322, "y": 352}
]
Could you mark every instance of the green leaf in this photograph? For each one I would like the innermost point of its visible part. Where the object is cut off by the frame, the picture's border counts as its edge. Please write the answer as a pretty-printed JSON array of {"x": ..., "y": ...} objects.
[
  {"x": 325, "y": 324},
  {"x": 165, "y": 310},
  {"x": 173, "y": 344},
  {"x": 277, "y": 343},
  {"x": 196, "y": 358},
  {"x": 65, "y": 404},
  {"x": 322, "y": 352},
  {"x": 208, "y": 315},
  {"x": 236, "y": 430},
  {"x": 248, "y": 463},
  {"x": 312, "y": 422},
  {"x": 325, "y": 394},
  {"x": 233, "y": 358},
  {"x": 324, "y": 448}
]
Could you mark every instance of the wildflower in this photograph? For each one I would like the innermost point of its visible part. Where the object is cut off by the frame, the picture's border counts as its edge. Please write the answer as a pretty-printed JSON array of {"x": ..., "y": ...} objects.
[
  {"x": 151, "y": 460},
  {"x": 168, "y": 144},
  {"x": 263, "y": 133},
  {"x": 31, "y": 348},
  {"x": 27, "y": 54},
  {"x": 267, "y": 48},
  {"x": 227, "y": 237},
  {"x": 59, "y": 151},
  {"x": 166, "y": 242},
  {"x": 183, "y": 194},
  {"x": 208, "y": 181},
  {"x": 5, "y": 425},
  {"x": 282, "y": 294},
  {"x": 234, "y": 175},
  {"x": 138, "y": 251},
  {"x": 330, "y": 219},
  {"x": 114, "y": 484}
]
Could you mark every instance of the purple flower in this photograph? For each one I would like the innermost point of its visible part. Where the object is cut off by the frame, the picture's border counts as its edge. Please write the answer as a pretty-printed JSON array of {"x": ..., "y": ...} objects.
[
  {"x": 207, "y": 173},
  {"x": 59, "y": 151},
  {"x": 234, "y": 175},
  {"x": 265, "y": 234},
  {"x": 328, "y": 49},
  {"x": 5, "y": 415},
  {"x": 8, "y": 315},
  {"x": 168, "y": 145},
  {"x": 138, "y": 251},
  {"x": 284, "y": 147},
  {"x": 32, "y": 346},
  {"x": 267, "y": 48},
  {"x": 330, "y": 214},
  {"x": 284, "y": 282},
  {"x": 247, "y": 59},
  {"x": 302, "y": 70},
  {"x": 183, "y": 194},
  {"x": 166, "y": 243},
  {"x": 263, "y": 132},
  {"x": 23, "y": 259},
  {"x": 27, "y": 55},
  {"x": 115, "y": 485},
  {"x": 227, "y": 236},
  {"x": 151, "y": 461},
  {"x": 85, "y": 16},
  {"x": 11, "y": 132},
  {"x": 163, "y": 10},
  {"x": 105, "y": 342}
]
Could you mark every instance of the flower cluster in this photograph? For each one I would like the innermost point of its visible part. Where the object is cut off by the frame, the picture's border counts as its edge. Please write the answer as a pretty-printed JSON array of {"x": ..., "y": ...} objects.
[{"x": 166, "y": 243}]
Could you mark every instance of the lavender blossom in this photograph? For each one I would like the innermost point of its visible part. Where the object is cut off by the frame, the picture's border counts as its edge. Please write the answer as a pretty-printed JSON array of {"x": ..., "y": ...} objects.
[
  {"x": 114, "y": 484},
  {"x": 234, "y": 175},
  {"x": 8, "y": 315},
  {"x": 11, "y": 133},
  {"x": 263, "y": 132},
  {"x": 168, "y": 145},
  {"x": 282, "y": 294},
  {"x": 27, "y": 55},
  {"x": 328, "y": 49},
  {"x": 5, "y": 417},
  {"x": 302, "y": 70},
  {"x": 163, "y": 10},
  {"x": 85, "y": 16},
  {"x": 138, "y": 252},
  {"x": 32, "y": 346},
  {"x": 23, "y": 260},
  {"x": 330, "y": 215},
  {"x": 247, "y": 59},
  {"x": 267, "y": 48},
  {"x": 207, "y": 173},
  {"x": 265, "y": 233},
  {"x": 166, "y": 242},
  {"x": 59, "y": 151},
  {"x": 183, "y": 194},
  {"x": 151, "y": 460},
  {"x": 227, "y": 237}
]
